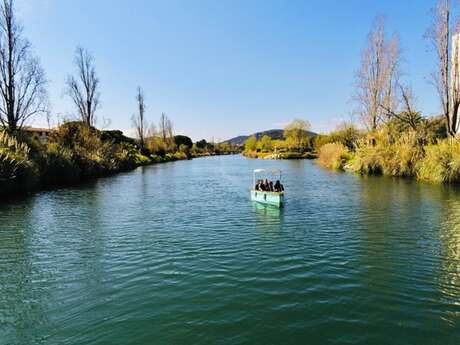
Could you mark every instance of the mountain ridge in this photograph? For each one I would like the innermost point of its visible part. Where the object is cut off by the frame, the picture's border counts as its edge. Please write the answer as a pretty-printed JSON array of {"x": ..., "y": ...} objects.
[{"x": 275, "y": 134}]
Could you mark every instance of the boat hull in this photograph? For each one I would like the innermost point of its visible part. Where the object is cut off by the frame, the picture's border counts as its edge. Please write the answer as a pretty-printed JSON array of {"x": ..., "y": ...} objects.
[{"x": 269, "y": 198}]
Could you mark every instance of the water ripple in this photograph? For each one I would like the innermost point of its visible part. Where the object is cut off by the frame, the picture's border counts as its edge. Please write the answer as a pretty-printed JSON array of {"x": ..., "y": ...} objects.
[{"x": 177, "y": 254}]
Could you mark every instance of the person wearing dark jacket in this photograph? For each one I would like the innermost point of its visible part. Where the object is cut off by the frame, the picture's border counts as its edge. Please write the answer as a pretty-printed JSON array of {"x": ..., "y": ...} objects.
[{"x": 278, "y": 186}]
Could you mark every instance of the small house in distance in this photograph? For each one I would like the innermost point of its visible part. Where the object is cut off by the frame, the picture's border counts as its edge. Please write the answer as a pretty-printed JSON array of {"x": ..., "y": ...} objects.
[{"x": 41, "y": 133}]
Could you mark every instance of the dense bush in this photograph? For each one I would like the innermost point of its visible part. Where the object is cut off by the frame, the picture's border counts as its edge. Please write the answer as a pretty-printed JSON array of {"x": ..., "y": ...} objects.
[
  {"x": 366, "y": 159},
  {"x": 297, "y": 145},
  {"x": 117, "y": 137},
  {"x": 441, "y": 163},
  {"x": 157, "y": 146},
  {"x": 402, "y": 156},
  {"x": 57, "y": 166},
  {"x": 183, "y": 140},
  {"x": 75, "y": 151},
  {"x": 381, "y": 153},
  {"x": 141, "y": 160},
  {"x": 91, "y": 154},
  {"x": 17, "y": 171},
  {"x": 333, "y": 156}
]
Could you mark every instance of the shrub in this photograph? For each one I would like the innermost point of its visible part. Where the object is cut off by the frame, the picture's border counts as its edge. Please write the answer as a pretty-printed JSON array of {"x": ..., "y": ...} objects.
[
  {"x": 116, "y": 137},
  {"x": 156, "y": 159},
  {"x": 142, "y": 160},
  {"x": 118, "y": 157},
  {"x": 333, "y": 156},
  {"x": 185, "y": 150},
  {"x": 57, "y": 166},
  {"x": 265, "y": 144},
  {"x": 401, "y": 157},
  {"x": 156, "y": 146},
  {"x": 250, "y": 144},
  {"x": 17, "y": 171},
  {"x": 367, "y": 159},
  {"x": 180, "y": 156},
  {"x": 441, "y": 163},
  {"x": 92, "y": 155},
  {"x": 183, "y": 140},
  {"x": 384, "y": 152}
]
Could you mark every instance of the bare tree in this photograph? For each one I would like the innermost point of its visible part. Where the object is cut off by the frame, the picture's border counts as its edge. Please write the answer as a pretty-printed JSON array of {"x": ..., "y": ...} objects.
[
  {"x": 84, "y": 89},
  {"x": 446, "y": 77},
  {"x": 151, "y": 131},
  {"x": 165, "y": 128},
  {"x": 378, "y": 75},
  {"x": 139, "y": 121},
  {"x": 22, "y": 79},
  {"x": 454, "y": 116},
  {"x": 405, "y": 112}
]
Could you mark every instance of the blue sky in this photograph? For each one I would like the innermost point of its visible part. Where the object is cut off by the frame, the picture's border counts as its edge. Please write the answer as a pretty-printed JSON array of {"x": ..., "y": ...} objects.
[{"x": 221, "y": 68}]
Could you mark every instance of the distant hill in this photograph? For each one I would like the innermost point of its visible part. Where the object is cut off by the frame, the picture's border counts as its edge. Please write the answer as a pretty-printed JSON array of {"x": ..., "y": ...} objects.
[{"x": 275, "y": 134}]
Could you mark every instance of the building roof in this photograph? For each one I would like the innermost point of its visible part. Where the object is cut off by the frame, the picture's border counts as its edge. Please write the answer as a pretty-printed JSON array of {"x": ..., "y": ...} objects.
[{"x": 36, "y": 129}]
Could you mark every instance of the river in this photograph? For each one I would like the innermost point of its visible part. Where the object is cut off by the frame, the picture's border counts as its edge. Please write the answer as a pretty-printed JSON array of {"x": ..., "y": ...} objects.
[{"x": 177, "y": 253}]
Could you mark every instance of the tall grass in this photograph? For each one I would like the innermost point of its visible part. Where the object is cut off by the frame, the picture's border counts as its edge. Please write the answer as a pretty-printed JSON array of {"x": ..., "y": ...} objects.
[
  {"x": 441, "y": 163},
  {"x": 13, "y": 156},
  {"x": 333, "y": 156},
  {"x": 17, "y": 171},
  {"x": 381, "y": 153}
]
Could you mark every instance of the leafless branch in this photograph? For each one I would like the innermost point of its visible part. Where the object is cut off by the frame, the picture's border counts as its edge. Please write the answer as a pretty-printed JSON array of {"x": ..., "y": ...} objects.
[
  {"x": 378, "y": 75},
  {"x": 84, "y": 88},
  {"x": 22, "y": 79},
  {"x": 138, "y": 119}
]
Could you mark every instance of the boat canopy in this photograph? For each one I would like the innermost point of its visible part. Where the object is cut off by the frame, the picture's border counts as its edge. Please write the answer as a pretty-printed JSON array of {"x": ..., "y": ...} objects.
[{"x": 272, "y": 171}]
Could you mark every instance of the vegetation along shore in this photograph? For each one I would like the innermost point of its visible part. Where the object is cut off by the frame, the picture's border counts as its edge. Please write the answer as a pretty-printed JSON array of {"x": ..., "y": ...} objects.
[
  {"x": 75, "y": 149},
  {"x": 295, "y": 142},
  {"x": 392, "y": 136}
]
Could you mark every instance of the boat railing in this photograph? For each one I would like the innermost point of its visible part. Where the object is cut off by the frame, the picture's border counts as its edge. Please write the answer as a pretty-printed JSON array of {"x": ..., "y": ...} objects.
[{"x": 267, "y": 191}]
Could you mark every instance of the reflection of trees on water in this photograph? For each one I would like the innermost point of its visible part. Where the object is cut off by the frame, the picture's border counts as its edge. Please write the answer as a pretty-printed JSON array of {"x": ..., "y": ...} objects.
[
  {"x": 22, "y": 294},
  {"x": 410, "y": 240},
  {"x": 394, "y": 242},
  {"x": 390, "y": 216},
  {"x": 450, "y": 247}
]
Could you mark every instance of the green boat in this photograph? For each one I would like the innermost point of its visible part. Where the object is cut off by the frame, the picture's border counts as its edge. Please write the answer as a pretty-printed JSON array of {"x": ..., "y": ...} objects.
[{"x": 266, "y": 197}]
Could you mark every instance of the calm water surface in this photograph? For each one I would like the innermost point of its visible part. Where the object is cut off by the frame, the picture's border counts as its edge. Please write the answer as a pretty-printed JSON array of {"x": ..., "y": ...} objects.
[{"x": 177, "y": 254}]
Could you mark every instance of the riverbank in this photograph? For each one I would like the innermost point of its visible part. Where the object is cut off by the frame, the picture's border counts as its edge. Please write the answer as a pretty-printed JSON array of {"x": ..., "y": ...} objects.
[
  {"x": 74, "y": 152},
  {"x": 280, "y": 155},
  {"x": 408, "y": 154}
]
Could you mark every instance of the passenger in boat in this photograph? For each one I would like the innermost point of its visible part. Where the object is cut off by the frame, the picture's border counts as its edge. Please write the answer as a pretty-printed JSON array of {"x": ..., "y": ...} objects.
[
  {"x": 271, "y": 188},
  {"x": 278, "y": 186},
  {"x": 257, "y": 186},
  {"x": 266, "y": 186},
  {"x": 260, "y": 185}
]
